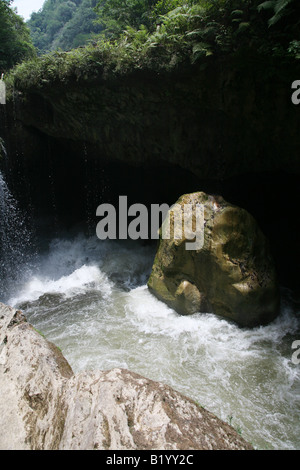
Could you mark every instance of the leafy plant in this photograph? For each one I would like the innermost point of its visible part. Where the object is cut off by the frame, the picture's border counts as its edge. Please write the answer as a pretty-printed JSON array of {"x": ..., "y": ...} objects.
[
  {"x": 117, "y": 15},
  {"x": 279, "y": 7}
]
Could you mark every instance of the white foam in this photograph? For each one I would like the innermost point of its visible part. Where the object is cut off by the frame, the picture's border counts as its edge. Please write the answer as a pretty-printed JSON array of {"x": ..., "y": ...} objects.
[
  {"x": 86, "y": 277},
  {"x": 231, "y": 371}
]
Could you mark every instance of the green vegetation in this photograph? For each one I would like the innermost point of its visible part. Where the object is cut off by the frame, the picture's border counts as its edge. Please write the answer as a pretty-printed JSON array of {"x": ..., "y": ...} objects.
[
  {"x": 64, "y": 24},
  {"x": 223, "y": 24},
  {"x": 280, "y": 9},
  {"x": 117, "y": 15},
  {"x": 15, "y": 42},
  {"x": 237, "y": 428},
  {"x": 192, "y": 32},
  {"x": 39, "y": 332}
]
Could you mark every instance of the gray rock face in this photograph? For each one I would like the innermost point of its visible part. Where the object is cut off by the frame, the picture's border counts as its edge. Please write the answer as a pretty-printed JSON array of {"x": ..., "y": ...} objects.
[
  {"x": 44, "y": 406},
  {"x": 33, "y": 375}
]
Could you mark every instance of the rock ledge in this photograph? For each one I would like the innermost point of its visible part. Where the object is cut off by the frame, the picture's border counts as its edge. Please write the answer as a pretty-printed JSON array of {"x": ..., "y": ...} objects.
[{"x": 45, "y": 406}]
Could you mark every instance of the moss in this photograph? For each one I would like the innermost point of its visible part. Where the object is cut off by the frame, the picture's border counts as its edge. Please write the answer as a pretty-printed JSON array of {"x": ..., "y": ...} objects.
[
  {"x": 239, "y": 284},
  {"x": 39, "y": 332}
]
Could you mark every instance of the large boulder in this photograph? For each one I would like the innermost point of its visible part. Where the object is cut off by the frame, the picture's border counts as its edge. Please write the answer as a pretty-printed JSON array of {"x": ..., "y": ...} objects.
[
  {"x": 45, "y": 406},
  {"x": 230, "y": 273}
]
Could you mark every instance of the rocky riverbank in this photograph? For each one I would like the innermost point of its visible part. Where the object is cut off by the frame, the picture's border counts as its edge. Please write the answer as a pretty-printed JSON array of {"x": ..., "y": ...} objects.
[{"x": 45, "y": 406}]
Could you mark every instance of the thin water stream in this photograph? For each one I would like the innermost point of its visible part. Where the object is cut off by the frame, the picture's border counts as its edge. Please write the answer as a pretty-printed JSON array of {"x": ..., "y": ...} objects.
[{"x": 15, "y": 240}]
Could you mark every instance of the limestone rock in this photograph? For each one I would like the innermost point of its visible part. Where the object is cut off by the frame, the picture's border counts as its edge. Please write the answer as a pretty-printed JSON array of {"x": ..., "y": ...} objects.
[
  {"x": 44, "y": 406},
  {"x": 231, "y": 274},
  {"x": 33, "y": 374}
]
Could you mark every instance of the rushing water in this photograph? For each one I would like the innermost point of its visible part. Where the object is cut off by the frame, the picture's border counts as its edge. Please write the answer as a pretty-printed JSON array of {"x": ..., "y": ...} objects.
[
  {"x": 15, "y": 239},
  {"x": 90, "y": 298}
]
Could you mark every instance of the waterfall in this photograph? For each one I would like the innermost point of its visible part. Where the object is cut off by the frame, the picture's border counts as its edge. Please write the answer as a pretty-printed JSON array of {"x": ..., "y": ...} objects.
[{"x": 15, "y": 241}]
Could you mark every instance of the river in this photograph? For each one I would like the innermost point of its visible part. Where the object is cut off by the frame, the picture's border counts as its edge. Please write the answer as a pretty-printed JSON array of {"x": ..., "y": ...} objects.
[{"x": 90, "y": 298}]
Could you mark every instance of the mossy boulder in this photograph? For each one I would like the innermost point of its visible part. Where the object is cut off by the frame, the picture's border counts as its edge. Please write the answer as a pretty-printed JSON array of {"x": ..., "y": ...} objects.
[{"x": 232, "y": 273}]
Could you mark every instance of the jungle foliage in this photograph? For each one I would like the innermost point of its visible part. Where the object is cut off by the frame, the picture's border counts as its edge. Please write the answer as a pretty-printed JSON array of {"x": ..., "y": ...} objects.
[
  {"x": 272, "y": 26},
  {"x": 15, "y": 41},
  {"x": 160, "y": 36}
]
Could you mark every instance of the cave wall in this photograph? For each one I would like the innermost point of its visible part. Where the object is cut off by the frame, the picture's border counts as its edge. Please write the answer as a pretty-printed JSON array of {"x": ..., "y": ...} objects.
[
  {"x": 216, "y": 121},
  {"x": 225, "y": 127}
]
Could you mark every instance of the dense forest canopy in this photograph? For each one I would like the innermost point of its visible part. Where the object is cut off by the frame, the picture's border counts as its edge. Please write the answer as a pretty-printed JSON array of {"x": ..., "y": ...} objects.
[
  {"x": 150, "y": 34},
  {"x": 272, "y": 26},
  {"x": 15, "y": 41},
  {"x": 63, "y": 24}
]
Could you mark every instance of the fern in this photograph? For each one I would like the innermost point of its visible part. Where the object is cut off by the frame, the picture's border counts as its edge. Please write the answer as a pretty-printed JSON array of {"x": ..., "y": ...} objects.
[
  {"x": 199, "y": 50},
  {"x": 279, "y": 8}
]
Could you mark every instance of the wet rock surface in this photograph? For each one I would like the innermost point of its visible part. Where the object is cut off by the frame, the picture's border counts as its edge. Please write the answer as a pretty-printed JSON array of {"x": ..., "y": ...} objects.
[
  {"x": 231, "y": 274},
  {"x": 44, "y": 405}
]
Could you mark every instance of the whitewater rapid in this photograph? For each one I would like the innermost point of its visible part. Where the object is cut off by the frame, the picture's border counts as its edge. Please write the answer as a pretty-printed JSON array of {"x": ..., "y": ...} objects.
[{"x": 91, "y": 299}]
